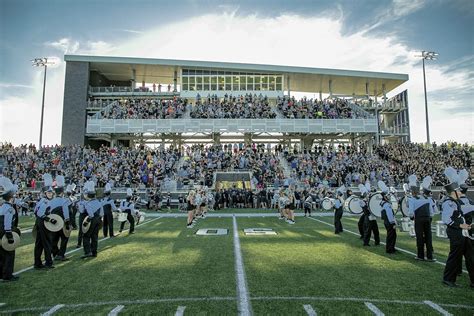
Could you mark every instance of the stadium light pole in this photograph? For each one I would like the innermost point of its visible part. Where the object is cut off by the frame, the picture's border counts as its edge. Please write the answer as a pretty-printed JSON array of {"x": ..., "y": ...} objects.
[
  {"x": 41, "y": 62},
  {"x": 427, "y": 56}
]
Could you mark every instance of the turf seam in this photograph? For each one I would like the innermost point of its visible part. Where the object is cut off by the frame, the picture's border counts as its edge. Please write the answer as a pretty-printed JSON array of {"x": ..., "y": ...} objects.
[
  {"x": 244, "y": 306},
  {"x": 397, "y": 248},
  {"x": 77, "y": 249}
]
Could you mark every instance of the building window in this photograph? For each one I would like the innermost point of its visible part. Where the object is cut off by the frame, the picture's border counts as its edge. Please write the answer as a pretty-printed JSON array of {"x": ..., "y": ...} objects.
[
  {"x": 221, "y": 82},
  {"x": 228, "y": 83},
  {"x": 206, "y": 83}
]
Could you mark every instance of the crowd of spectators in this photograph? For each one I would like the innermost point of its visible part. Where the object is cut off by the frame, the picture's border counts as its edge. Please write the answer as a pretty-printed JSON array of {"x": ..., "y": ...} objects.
[
  {"x": 145, "y": 109},
  {"x": 149, "y": 167},
  {"x": 231, "y": 107},
  {"x": 315, "y": 109},
  {"x": 391, "y": 163}
]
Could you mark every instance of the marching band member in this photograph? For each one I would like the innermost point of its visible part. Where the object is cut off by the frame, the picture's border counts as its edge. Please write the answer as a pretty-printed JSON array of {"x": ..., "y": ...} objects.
[
  {"x": 290, "y": 206},
  {"x": 191, "y": 207},
  {"x": 308, "y": 204},
  {"x": 370, "y": 221},
  {"x": 108, "y": 206},
  {"x": 82, "y": 215},
  {"x": 43, "y": 236},
  {"x": 93, "y": 211},
  {"x": 73, "y": 208},
  {"x": 388, "y": 219},
  {"x": 467, "y": 205},
  {"x": 282, "y": 203},
  {"x": 8, "y": 221},
  {"x": 128, "y": 207},
  {"x": 459, "y": 244},
  {"x": 420, "y": 209},
  {"x": 60, "y": 206},
  {"x": 338, "y": 211}
]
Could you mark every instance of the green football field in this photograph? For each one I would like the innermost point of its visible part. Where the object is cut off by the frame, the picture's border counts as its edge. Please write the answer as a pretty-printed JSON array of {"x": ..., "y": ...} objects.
[{"x": 305, "y": 269}]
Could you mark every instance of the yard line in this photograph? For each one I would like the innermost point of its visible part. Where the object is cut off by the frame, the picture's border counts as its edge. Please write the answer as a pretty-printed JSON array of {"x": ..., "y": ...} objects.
[
  {"x": 180, "y": 311},
  {"x": 244, "y": 306},
  {"x": 437, "y": 308},
  {"x": 374, "y": 309},
  {"x": 116, "y": 310},
  {"x": 77, "y": 249},
  {"x": 309, "y": 310},
  {"x": 2, "y": 304},
  {"x": 138, "y": 302},
  {"x": 399, "y": 249},
  {"x": 53, "y": 310}
]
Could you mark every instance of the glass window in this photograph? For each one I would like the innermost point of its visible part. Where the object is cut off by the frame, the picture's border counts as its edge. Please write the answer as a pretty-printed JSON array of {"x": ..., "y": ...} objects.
[
  {"x": 185, "y": 87},
  {"x": 258, "y": 82},
  {"x": 192, "y": 83},
  {"x": 205, "y": 72},
  {"x": 228, "y": 82},
  {"x": 198, "y": 72},
  {"x": 279, "y": 79},
  {"x": 278, "y": 87},
  {"x": 221, "y": 82},
  {"x": 206, "y": 83},
  {"x": 199, "y": 83},
  {"x": 264, "y": 82},
  {"x": 243, "y": 83},
  {"x": 214, "y": 73},
  {"x": 221, "y": 73},
  {"x": 235, "y": 82},
  {"x": 192, "y": 72},
  {"x": 185, "y": 80},
  {"x": 185, "y": 72},
  {"x": 250, "y": 80},
  {"x": 271, "y": 84}
]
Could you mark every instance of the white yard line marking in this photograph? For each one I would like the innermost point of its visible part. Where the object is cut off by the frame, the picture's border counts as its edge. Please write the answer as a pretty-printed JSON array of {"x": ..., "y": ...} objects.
[
  {"x": 53, "y": 310},
  {"x": 437, "y": 308},
  {"x": 116, "y": 310},
  {"x": 217, "y": 298},
  {"x": 244, "y": 306},
  {"x": 374, "y": 309},
  {"x": 2, "y": 304},
  {"x": 398, "y": 248},
  {"x": 309, "y": 310},
  {"x": 180, "y": 311},
  {"x": 74, "y": 250}
]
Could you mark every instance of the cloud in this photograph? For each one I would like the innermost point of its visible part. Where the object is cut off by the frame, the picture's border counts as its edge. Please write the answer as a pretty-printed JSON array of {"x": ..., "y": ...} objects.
[
  {"x": 65, "y": 45},
  {"x": 281, "y": 40},
  {"x": 132, "y": 31},
  {"x": 14, "y": 85},
  {"x": 397, "y": 10}
]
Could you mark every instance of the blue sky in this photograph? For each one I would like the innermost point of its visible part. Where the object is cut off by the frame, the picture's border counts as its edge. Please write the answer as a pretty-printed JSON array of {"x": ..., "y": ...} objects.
[{"x": 384, "y": 36}]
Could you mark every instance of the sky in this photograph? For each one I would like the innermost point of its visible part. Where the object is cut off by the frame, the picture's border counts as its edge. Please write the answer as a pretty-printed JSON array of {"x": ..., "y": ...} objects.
[{"x": 371, "y": 35}]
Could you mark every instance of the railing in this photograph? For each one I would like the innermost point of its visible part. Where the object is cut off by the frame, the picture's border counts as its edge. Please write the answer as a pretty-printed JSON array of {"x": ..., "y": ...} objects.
[
  {"x": 128, "y": 91},
  {"x": 360, "y": 112},
  {"x": 394, "y": 130},
  {"x": 315, "y": 126}
]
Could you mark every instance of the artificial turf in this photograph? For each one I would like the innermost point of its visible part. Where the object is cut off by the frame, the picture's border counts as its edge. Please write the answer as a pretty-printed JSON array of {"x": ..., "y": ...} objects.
[{"x": 165, "y": 265}]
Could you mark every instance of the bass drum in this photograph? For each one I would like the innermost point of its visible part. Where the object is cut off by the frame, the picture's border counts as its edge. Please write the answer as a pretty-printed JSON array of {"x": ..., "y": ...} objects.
[
  {"x": 404, "y": 206},
  {"x": 327, "y": 204},
  {"x": 374, "y": 204},
  {"x": 353, "y": 204}
]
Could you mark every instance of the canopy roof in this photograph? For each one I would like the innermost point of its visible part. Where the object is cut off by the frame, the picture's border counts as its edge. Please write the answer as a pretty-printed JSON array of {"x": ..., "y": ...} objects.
[{"x": 302, "y": 79}]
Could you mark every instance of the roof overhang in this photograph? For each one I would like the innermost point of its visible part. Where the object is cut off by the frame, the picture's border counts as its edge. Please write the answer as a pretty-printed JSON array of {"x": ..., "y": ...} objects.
[{"x": 302, "y": 79}]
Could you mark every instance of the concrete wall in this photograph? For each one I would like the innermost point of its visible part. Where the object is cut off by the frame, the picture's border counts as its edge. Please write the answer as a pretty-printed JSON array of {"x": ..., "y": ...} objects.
[{"x": 75, "y": 100}]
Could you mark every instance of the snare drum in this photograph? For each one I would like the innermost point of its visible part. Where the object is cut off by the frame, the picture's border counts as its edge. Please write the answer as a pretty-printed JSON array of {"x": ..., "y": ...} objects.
[{"x": 404, "y": 206}]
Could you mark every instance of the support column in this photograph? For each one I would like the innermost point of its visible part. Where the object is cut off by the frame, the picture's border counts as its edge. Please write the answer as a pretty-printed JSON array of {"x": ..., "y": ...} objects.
[
  {"x": 175, "y": 81},
  {"x": 216, "y": 138},
  {"x": 133, "y": 82},
  {"x": 288, "y": 85},
  {"x": 320, "y": 95},
  {"x": 247, "y": 139},
  {"x": 330, "y": 88},
  {"x": 384, "y": 94},
  {"x": 367, "y": 90}
]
